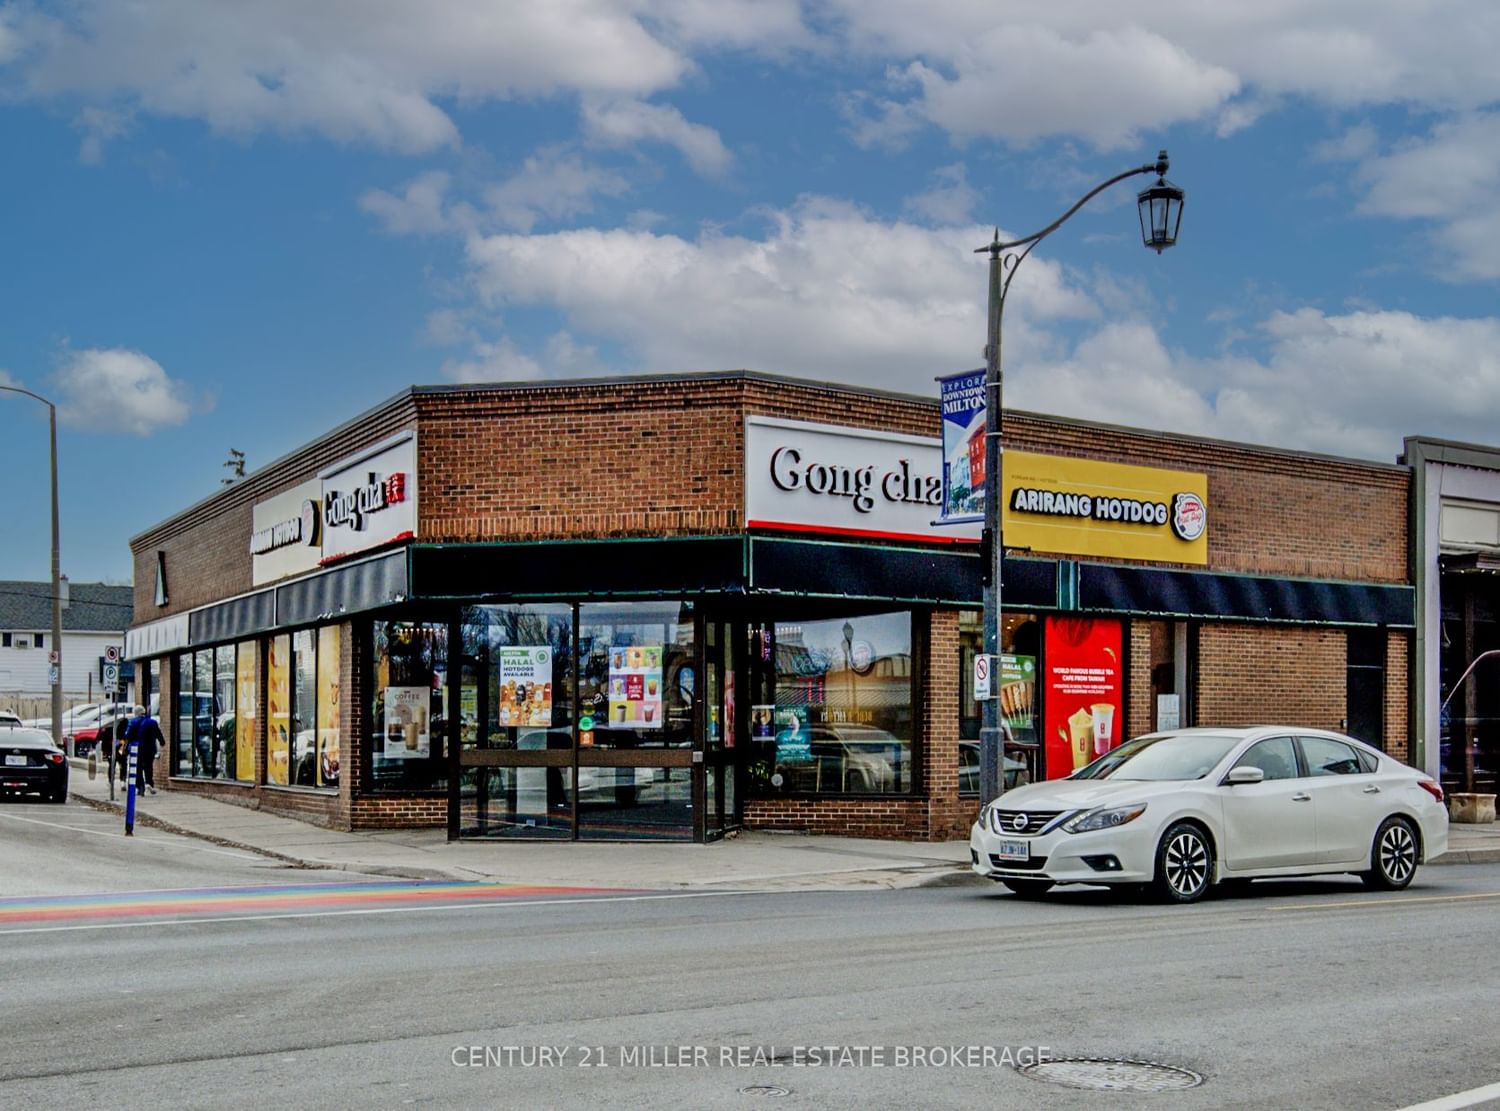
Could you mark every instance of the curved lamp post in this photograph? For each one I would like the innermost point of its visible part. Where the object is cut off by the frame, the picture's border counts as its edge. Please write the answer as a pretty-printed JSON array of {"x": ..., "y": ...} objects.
[
  {"x": 57, "y": 690},
  {"x": 1160, "y": 209}
]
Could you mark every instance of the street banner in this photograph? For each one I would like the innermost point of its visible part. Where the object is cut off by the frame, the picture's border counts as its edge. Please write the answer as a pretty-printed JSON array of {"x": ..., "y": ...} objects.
[{"x": 963, "y": 405}]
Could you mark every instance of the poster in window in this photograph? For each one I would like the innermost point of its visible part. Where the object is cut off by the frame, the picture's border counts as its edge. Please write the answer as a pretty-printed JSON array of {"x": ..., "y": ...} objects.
[
  {"x": 793, "y": 735},
  {"x": 1083, "y": 692},
  {"x": 526, "y": 686},
  {"x": 407, "y": 723},
  {"x": 279, "y": 710},
  {"x": 244, "y": 718},
  {"x": 762, "y": 722},
  {"x": 328, "y": 706},
  {"x": 1018, "y": 697},
  {"x": 635, "y": 686}
]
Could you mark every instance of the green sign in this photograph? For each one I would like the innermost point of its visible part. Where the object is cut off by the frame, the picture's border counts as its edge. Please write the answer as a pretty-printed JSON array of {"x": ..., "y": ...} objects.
[{"x": 585, "y": 723}]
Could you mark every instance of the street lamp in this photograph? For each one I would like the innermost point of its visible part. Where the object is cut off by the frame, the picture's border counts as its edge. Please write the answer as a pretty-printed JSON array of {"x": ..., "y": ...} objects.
[
  {"x": 57, "y": 691},
  {"x": 1160, "y": 209}
]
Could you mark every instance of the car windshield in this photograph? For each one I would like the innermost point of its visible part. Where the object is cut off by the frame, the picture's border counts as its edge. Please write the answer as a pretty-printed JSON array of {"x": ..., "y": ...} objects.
[{"x": 1162, "y": 758}]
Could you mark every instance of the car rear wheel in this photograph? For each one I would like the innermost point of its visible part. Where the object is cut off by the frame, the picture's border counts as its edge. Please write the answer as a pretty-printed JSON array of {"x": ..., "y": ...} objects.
[
  {"x": 1393, "y": 857},
  {"x": 1029, "y": 889},
  {"x": 1184, "y": 864}
]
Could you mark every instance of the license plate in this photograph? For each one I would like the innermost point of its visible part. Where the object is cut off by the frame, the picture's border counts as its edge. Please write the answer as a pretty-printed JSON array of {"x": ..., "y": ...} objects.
[
  {"x": 12, "y": 761},
  {"x": 1014, "y": 850}
]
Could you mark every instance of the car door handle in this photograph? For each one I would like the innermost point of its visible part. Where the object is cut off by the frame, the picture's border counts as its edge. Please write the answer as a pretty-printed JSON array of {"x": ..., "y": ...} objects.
[
  {"x": 1372, "y": 790},
  {"x": 1301, "y": 796}
]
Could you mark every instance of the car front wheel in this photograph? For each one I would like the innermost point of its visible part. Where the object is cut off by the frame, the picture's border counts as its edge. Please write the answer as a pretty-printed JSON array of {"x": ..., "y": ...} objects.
[
  {"x": 1393, "y": 857},
  {"x": 1184, "y": 864}
]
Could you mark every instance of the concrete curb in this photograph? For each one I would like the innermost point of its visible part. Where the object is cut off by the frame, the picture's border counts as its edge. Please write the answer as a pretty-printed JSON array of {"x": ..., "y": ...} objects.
[{"x": 1468, "y": 856}]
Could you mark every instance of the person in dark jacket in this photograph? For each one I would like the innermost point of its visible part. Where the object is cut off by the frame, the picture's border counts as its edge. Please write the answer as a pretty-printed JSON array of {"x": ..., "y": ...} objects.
[{"x": 146, "y": 732}]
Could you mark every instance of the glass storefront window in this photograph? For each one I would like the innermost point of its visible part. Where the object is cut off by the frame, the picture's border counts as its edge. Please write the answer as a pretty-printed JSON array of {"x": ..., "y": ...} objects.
[
  {"x": 517, "y": 677},
  {"x": 629, "y": 803},
  {"x": 328, "y": 706},
  {"x": 205, "y": 719},
  {"x": 304, "y": 749},
  {"x": 278, "y": 709},
  {"x": 637, "y": 675},
  {"x": 517, "y": 802},
  {"x": 182, "y": 734},
  {"x": 408, "y": 737},
  {"x": 221, "y": 747},
  {"x": 1020, "y": 706},
  {"x": 840, "y": 720}
]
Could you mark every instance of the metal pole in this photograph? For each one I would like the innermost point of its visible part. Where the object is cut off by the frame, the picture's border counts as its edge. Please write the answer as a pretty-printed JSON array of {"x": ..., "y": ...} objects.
[
  {"x": 991, "y": 735},
  {"x": 57, "y": 687},
  {"x": 1002, "y": 270}
]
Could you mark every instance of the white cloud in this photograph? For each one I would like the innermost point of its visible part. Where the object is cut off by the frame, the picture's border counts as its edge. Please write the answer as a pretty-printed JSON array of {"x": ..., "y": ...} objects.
[
  {"x": 829, "y": 293},
  {"x": 623, "y": 122},
  {"x": 951, "y": 199},
  {"x": 1451, "y": 176},
  {"x": 99, "y": 126},
  {"x": 367, "y": 71},
  {"x": 502, "y": 361},
  {"x": 418, "y": 210},
  {"x": 114, "y": 389},
  {"x": 552, "y": 184}
]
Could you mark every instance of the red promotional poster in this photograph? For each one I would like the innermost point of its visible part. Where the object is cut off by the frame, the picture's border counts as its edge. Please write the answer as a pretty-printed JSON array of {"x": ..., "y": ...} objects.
[{"x": 1084, "y": 685}]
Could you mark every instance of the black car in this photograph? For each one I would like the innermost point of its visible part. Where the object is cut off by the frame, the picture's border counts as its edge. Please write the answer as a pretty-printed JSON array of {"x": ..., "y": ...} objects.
[{"x": 31, "y": 763}]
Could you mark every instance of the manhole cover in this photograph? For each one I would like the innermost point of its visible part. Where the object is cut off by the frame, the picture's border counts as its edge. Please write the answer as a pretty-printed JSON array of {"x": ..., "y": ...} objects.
[
  {"x": 1102, "y": 1074},
  {"x": 765, "y": 1090}
]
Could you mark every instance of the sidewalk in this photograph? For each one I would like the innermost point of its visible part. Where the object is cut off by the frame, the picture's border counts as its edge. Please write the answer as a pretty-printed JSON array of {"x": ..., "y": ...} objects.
[
  {"x": 753, "y": 860},
  {"x": 758, "y": 860}
]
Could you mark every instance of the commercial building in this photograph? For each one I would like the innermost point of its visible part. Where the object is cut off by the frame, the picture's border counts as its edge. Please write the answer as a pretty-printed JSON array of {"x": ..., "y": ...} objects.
[{"x": 673, "y": 606}]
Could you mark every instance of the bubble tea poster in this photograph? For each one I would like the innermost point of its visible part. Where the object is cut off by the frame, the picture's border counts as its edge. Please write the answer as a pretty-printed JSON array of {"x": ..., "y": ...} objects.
[
  {"x": 1084, "y": 687},
  {"x": 635, "y": 686}
]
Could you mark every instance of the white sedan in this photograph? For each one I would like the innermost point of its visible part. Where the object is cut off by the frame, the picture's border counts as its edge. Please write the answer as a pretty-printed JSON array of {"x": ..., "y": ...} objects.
[{"x": 1183, "y": 810}]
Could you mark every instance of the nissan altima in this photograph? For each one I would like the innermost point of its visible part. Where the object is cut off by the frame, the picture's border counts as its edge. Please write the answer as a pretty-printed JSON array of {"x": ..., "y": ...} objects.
[{"x": 1180, "y": 811}]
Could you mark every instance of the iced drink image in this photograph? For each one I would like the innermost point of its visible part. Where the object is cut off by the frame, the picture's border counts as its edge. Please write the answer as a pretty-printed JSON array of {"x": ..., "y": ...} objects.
[
  {"x": 1081, "y": 737},
  {"x": 650, "y": 711},
  {"x": 620, "y": 712},
  {"x": 413, "y": 730},
  {"x": 1104, "y": 726},
  {"x": 651, "y": 687},
  {"x": 635, "y": 658}
]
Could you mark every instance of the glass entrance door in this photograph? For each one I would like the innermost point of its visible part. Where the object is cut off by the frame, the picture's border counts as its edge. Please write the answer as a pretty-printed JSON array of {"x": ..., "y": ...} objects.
[{"x": 724, "y": 715}]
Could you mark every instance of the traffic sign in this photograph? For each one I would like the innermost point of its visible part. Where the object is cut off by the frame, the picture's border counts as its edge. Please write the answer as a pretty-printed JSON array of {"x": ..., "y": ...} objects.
[
  {"x": 54, "y": 657},
  {"x": 984, "y": 667},
  {"x": 111, "y": 654},
  {"x": 52, "y": 675},
  {"x": 111, "y": 677}
]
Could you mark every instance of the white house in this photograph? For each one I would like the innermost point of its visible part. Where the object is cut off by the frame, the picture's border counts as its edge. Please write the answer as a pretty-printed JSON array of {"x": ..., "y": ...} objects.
[{"x": 94, "y": 619}]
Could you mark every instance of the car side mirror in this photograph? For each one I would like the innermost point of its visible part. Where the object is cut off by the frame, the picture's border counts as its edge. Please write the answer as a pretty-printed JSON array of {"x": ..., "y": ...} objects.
[{"x": 1245, "y": 774}]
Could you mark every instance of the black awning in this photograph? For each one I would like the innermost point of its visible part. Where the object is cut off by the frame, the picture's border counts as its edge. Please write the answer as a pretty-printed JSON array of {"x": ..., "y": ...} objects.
[
  {"x": 1148, "y": 590},
  {"x": 351, "y": 588},
  {"x": 231, "y": 620}
]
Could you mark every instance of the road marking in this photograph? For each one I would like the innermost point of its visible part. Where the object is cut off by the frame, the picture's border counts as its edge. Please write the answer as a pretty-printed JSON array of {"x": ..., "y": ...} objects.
[
  {"x": 1458, "y": 1099},
  {"x": 1396, "y": 901},
  {"x": 176, "y": 841},
  {"x": 503, "y": 904}
]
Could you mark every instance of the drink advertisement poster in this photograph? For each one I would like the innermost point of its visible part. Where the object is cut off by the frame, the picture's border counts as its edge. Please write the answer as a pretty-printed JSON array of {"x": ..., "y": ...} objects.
[
  {"x": 962, "y": 398},
  {"x": 1085, "y": 683},
  {"x": 526, "y": 687},
  {"x": 635, "y": 686},
  {"x": 407, "y": 716}
]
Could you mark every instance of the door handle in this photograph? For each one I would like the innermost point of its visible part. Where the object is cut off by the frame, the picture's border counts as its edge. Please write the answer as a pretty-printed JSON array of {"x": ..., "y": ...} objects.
[
  {"x": 1301, "y": 796},
  {"x": 1372, "y": 790}
]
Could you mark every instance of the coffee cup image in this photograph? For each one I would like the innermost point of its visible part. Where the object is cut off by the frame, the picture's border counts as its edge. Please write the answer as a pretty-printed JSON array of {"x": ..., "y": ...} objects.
[
  {"x": 1081, "y": 737},
  {"x": 1103, "y": 714}
]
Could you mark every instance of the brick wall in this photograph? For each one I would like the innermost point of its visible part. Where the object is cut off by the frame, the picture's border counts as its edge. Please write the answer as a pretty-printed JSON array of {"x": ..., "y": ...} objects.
[
  {"x": 1138, "y": 694},
  {"x": 1271, "y": 675},
  {"x": 1397, "y": 708},
  {"x": 1270, "y": 512}
]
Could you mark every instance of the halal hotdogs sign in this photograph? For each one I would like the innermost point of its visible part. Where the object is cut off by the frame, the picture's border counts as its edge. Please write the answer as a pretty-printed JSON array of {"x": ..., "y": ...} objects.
[{"x": 1088, "y": 507}]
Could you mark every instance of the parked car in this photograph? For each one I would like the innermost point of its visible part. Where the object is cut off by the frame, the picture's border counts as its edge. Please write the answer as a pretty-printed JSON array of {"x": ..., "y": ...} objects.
[
  {"x": 968, "y": 769},
  {"x": 110, "y": 719},
  {"x": 31, "y": 764},
  {"x": 1186, "y": 809},
  {"x": 74, "y": 715},
  {"x": 9, "y": 720}
]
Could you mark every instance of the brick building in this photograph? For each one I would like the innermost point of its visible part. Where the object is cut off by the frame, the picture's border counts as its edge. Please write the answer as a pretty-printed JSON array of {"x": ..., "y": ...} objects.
[{"x": 677, "y": 605}]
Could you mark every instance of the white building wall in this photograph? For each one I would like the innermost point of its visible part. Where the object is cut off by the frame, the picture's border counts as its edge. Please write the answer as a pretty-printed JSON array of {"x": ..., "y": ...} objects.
[{"x": 23, "y": 671}]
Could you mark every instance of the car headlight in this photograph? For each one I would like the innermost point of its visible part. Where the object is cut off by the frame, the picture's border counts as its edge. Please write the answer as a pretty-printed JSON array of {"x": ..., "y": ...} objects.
[{"x": 1091, "y": 820}]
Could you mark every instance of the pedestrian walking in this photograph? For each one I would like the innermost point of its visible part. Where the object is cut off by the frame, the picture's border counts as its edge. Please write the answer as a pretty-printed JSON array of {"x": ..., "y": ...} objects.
[{"x": 146, "y": 732}]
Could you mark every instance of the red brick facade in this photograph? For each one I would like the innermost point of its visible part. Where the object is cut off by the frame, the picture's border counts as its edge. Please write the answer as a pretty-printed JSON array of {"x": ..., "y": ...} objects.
[{"x": 665, "y": 457}]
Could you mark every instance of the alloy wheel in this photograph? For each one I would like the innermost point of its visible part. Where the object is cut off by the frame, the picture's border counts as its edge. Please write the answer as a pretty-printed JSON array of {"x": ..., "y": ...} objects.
[
  {"x": 1398, "y": 853},
  {"x": 1186, "y": 864}
]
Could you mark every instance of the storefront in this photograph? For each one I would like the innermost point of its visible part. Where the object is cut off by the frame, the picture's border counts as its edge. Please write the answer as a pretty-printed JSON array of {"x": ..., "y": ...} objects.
[
  {"x": 671, "y": 607},
  {"x": 1456, "y": 554}
]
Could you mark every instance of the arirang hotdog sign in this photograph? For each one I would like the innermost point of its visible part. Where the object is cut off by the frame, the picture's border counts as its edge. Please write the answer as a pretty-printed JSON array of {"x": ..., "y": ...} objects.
[
  {"x": 806, "y": 477},
  {"x": 1087, "y": 507}
]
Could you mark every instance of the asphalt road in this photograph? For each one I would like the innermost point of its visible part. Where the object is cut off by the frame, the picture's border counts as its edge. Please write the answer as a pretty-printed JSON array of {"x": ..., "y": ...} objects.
[{"x": 177, "y": 977}]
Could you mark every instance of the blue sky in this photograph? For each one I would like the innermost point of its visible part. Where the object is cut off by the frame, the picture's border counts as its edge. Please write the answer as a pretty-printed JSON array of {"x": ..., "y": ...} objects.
[{"x": 237, "y": 223}]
